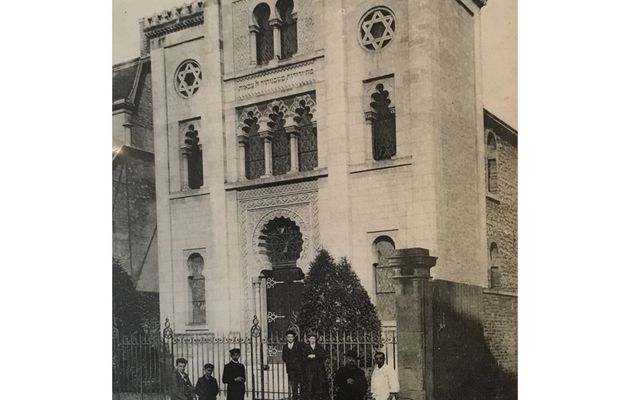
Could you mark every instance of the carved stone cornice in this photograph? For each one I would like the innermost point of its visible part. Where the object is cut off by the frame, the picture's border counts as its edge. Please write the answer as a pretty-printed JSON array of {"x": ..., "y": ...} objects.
[
  {"x": 275, "y": 80},
  {"x": 178, "y": 18}
]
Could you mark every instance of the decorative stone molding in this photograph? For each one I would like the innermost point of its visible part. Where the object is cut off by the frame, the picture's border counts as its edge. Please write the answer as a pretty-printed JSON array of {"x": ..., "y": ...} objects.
[
  {"x": 302, "y": 104},
  {"x": 273, "y": 81},
  {"x": 249, "y": 120},
  {"x": 256, "y": 207},
  {"x": 277, "y": 115},
  {"x": 176, "y": 19}
]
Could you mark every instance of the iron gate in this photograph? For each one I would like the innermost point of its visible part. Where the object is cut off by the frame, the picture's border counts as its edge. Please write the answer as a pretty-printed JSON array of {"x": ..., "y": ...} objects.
[{"x": 143, "y": 365}]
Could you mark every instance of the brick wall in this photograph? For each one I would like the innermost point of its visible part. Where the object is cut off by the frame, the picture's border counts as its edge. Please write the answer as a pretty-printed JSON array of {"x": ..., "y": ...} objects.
[
  {"x": 501, "y": 207},
  {"x": 500, "y": 325}
]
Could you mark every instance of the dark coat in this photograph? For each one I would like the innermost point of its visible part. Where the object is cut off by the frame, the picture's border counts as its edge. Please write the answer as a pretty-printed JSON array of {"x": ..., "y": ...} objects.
[
  {"x": 181, "y": 388},
  {"x": 235, "y": 390},
  {"x": 207, "y": 389},
  {"x": 314, "y": 373},
  {"x": 293, "y": 360},
  {"x": 350, "y": 391}
]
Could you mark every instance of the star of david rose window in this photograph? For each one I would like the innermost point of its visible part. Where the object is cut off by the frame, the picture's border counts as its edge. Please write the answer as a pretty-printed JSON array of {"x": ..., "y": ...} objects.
[
  {"x": 376, "y": 29},
  {"x": 188, "y": 78}
]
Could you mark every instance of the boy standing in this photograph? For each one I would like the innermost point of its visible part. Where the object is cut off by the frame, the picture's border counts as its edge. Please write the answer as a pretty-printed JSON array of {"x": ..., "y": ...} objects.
[{"x": 207, "y": 387}]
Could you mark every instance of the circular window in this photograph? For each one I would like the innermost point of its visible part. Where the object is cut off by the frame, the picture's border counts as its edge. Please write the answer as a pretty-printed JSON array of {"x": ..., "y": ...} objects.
[
  {"x": 376, "y": 29},
  {"x": 188, "y": 78}
]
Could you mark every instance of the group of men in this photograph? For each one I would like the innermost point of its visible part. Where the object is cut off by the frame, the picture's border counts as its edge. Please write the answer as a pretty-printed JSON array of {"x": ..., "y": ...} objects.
[
  {"x": 306, "y": 374},
  {"x": 207, "y": 387}
]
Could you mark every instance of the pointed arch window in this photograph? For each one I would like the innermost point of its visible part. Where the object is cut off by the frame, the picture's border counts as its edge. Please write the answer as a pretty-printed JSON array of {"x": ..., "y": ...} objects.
[
  {"x": 495, "y": 273},
  {"x": 383, "y": 119},
  {"x": 288, "y": 29},
  {"x": 491, "y": 163},
  {"x": 264, "y": 34},
  {"x": 280, "y": 146},
  {"x": 194, "y": 158},
  {"x": 255, "y": 148}
]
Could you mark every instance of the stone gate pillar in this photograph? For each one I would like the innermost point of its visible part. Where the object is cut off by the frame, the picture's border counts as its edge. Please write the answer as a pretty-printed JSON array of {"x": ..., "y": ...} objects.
[{"x": 414, "y": 322}]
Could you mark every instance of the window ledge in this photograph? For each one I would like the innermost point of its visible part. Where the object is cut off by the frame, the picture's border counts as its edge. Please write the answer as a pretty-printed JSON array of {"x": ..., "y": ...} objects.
[
  {"x": 277, "y": 179},
  {"x": 372, "y": 165},
  {"x": 189, "y": 193},
  {"x": 194, "y": 328},
  {"x": 493, "y": 197}
]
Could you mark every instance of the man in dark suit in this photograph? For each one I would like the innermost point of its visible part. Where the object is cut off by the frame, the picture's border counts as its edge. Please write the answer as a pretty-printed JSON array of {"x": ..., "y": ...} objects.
[
  {"x": 350, "y": 380},
  {"x": 234, "y": 376},
  {"x": 181, "y": 388},
  {"x": 207, "y": 387},
  {"x": 292, "y": 357}
]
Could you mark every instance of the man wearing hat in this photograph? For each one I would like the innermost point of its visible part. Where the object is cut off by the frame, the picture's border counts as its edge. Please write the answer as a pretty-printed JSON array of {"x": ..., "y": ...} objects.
[
  {"x": 350, "y": 380},
  {"x": 181, "y": 388},
  {"x": 292, "y": 357},
  {"x": 234, "y": 376}
]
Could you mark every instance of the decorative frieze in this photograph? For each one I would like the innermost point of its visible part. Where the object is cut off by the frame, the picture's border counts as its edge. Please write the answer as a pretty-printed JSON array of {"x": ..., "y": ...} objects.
[
  {"x": 173, "y": 20},
  {"x": 276, "y": 80}
]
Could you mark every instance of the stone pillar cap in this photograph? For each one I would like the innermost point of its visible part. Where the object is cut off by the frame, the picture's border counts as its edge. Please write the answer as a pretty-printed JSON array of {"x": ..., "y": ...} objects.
[{"x": 412, "y": 263}]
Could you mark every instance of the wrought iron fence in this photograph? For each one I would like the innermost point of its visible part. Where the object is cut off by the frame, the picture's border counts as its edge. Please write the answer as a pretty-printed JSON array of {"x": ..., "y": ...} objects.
[{"x": 143, "y": 366}]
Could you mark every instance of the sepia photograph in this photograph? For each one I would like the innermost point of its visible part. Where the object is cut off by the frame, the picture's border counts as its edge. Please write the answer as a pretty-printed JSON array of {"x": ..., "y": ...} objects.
[{"x": 314, "y": 200}]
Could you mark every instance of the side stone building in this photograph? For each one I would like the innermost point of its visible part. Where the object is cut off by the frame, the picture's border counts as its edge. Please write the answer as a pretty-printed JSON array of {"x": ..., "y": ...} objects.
[{"x": 134, "y": 219}]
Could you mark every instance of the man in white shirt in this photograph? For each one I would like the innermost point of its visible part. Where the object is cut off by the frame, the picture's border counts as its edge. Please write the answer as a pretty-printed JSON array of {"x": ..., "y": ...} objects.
[{"x": 384, "y": 379}]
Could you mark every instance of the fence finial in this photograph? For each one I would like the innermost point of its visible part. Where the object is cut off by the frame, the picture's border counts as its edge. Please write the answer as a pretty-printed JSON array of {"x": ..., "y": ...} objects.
[
  {"x": 255, "y": 331},
  {"x": 167, "y": 333}
]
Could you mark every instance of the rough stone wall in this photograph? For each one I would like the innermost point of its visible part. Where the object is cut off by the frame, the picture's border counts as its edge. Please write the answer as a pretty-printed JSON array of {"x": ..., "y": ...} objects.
[
  {"x": 142, "y": 119},
  {"x": 460, "y": 186},
  {"x": 240, "y": 26},
  {"x": 502, "y": 216}
]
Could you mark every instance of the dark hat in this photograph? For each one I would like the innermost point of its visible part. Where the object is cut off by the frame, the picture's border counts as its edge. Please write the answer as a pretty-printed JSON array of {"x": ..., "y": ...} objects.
[
  {"x": 208, "y": 365},
  {"x": 311, "y": 334},
  {"x": 235, "y": 351},
  {"x": 351, "y": 353},
  {"x": 181, "y": 361},
  {"x": 290, "y": 332}
]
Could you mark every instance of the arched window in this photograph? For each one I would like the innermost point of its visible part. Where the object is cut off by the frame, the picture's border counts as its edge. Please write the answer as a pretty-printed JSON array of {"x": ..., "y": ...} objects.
[
  {"x": 491, "y": 162},
  {"x": 288, "y": 28},
  {"x": 281, "y": 240},
  {"x": 197, "y": 285},
  {"x": 495, "y": 273},
  {"x": 194, "y": 159},
  {"x": 280, "y": 145},
  {"x": 264, "y": 34},
  {"x": 383, "y": 125},
  {"x": 383, "y": 247}
]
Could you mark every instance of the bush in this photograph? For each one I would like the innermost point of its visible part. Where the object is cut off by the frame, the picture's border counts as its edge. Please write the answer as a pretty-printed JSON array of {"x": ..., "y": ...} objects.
[{"x": 334, "y": 299}]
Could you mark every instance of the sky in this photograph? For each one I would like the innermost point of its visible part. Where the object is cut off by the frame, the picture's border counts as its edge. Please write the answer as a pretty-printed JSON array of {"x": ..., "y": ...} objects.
[{"x": 498, "y": 38}]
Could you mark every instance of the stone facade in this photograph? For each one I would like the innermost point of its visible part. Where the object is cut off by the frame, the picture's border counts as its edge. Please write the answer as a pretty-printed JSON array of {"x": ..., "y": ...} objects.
[{"x": 430, "y": 192}]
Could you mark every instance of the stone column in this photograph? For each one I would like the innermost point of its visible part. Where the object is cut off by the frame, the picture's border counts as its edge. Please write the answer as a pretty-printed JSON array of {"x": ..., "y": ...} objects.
[
  {"x": 253, "y": 30},
  {"x": 293, "y": 136},
  {"x": 414, "y": 322},
  {"x": 266, "y": 136},
  {"x": 277, "y": 44},
  {"x": 242, "y": 168}
]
